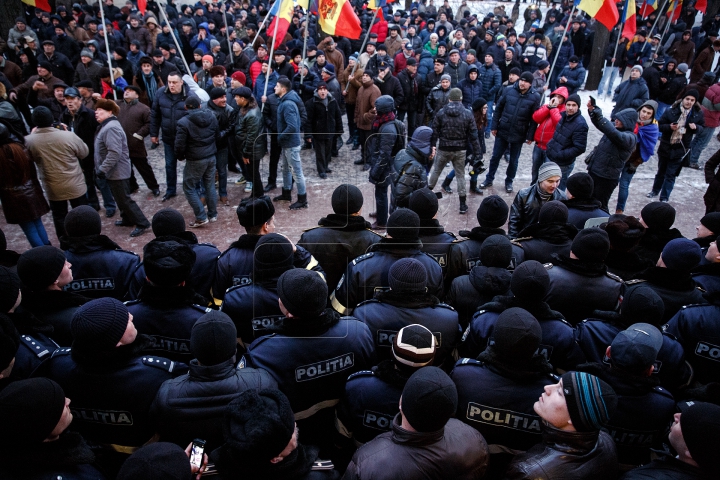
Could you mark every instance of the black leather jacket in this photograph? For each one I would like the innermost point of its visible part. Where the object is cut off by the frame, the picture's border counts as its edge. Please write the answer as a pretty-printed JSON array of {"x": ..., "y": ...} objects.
[
  {"x": 567, "y": 455},
  {"x": 525, "y": 208}
]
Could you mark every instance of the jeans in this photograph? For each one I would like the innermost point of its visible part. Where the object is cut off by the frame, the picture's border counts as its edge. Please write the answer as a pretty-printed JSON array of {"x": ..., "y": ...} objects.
[
  {"x": 669, "y": 165},
  {"x": 222, "y": 170},
  {"x": 566, "y": 171},
  {"x": 170, "y": 169},
  {"x": 498, "y": 149},
  {"x": 200, "y": 171},
  {"x": 292, "y": 169},
  {"x": 661, "y": 109},
  {"x": 381, "y": 202},
  {"x": 609, "y": 75},
  {"x": 457, "y": 159},
  {"x": 698, "y": 144},
  {"x": 35, "y": 233},
  {"x": 130, "y": 213},
  {"x": 539, "y": 156},
  {"x": 108, "y": 200},
  {"x": 625, "y": 179},
  {"x": 491, "y": 109},
  {"x": 59, "y": 212},
  {"x": 145, "y": 171}
]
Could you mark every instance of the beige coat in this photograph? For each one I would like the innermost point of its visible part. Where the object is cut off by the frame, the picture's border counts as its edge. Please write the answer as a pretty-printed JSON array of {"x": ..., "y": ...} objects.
[{"x": 57, "y": 154}]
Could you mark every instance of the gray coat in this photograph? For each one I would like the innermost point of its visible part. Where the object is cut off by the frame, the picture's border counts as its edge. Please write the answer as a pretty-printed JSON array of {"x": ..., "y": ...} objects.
[{"x": 112, "y": 155}]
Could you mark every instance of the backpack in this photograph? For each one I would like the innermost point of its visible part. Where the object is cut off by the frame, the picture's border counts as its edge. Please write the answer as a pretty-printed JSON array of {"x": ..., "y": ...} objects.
[{"x": 399, "y": 139}]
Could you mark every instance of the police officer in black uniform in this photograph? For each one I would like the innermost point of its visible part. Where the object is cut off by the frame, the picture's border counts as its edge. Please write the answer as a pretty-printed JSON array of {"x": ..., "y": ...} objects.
[
  {"x": 169, "y": 224},
  {"x": 640, "y": 305},
  {"x": 253, "y": 307},
  {"x": 311, "y": 352},
  {"x": 497, "y": 391},
  {"x": 407, "y": 303},
  {"x": 368, "y": 273},
  {"x": 551, "y": 234},
  {"x": 167, "y": 308},
  {"x": 111, "y": 383},
  {"x": 235, "y": 265},
  {"x": 372, "y": 396},
  {"x": 492, "y": 214},
  {"x": 436, "y": 241},
  {"x": 644, "y": 408},
  {"x": 9, "y": 343},
  {"x": 489, "y": 278},
  {"x": 341, "y": 236},
  {"x": 100, "y": 267},
  {"x": 529, "y": 285}
]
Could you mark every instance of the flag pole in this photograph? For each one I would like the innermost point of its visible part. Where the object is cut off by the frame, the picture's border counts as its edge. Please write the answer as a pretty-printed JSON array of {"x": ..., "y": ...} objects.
[
  {"x": 658, "y": 16},
  {"x": 362, "y": 48},
  {"x": 227, "y": 33},
  {"x": 304, "y": 52},
  {"x": 557, "y": 54},
  {"x": 107, "y": 49},
  {"x": 617, "y": 43},
  {"x": 261, "y": 27},
  {"x": 267, "y": 74},
  {"x": 670, "y": 20},
  {"x": 172, "y": 34}
]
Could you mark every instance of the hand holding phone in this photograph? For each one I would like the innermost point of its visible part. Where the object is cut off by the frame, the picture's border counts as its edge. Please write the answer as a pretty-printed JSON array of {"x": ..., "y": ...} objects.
[{"x": 197, "y": 451}]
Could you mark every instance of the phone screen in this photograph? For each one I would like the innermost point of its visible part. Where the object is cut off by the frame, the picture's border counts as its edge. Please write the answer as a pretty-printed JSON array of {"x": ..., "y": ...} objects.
[{"x": 196, "y": 452}]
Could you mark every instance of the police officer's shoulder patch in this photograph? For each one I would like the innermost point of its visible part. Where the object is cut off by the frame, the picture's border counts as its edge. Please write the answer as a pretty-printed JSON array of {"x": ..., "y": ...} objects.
[
  {"x": 362, "y": 373},
  {"x": 130, "y": 253},
  {"x": 363, "y": 257},
  {"x": 468, "y": 361},
  {"x": 660, "y": 390},
  {"x": 235, "y": 287},
  {"x": 636, "y": 281},
  {"x": 36, "y": 347},
  {"x": 516, "y": 241},
  {"x": 444, "y": 305},
  {"x": 130, "y": 303},
  {"x": 614, "y": 277},
  {"x": 548, "y": 266},
  {"x": 60, "y": 352},
  {"x": 201, "y": 309},
  {"x": 451, "y": 234},
  {"x": 701, "y": 289},
  {"x": 460, "y": 240},
  {"x": 158, "y": 362},
  {"x": 371, "y": 300},
  {"x": 695, "y": 305}
]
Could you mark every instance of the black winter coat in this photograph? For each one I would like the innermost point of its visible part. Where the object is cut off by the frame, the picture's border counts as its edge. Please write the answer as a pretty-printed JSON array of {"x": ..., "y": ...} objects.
[
  {"x": 479, "y": 287},
  {"x": 614, "y": 147},
  {"x": 411, "y": 92},
  {"x": 436, "y": 99},
  {"x": 569, "y": 140},
  {"x": 411, "y": 174},
  {"x": 249, "y": 139},
  {"x": 308, "y": 87},
  {"x": 465, "y": 253},
  {"x": 630, "y": 94},
  {"x": 455, "y": 126},
  {"x": 323, "y": 117},
  {"x": 580, "y": 210},
  {"x": 525, "y": 208},
  {"x": 196, "y": 135},
  {"x": 540, "y": 241},
  {"x": 226, "y": 118},
  {"x": 676, "y": 289},
  {"x": 670, "y": 90},
  {"x": 672, "y": 115},
  {"x": 668, "y": 467},
  {"x": 379, "y": 149},
  {"x": 390, "y": 85},
  {"x": 167, "y": 110},
  {"x": 513, "y": 114}
]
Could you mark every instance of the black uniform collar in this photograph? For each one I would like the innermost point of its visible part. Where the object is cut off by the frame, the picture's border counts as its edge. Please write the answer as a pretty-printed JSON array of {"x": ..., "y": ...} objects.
[
  {"x": 246, "y": 242},
  {"x": 87, "y": 244},
  {"x": 586, "y": 269},
  {"x": 481, "y": 233},
  {"x": 430, "y": 226},
  {"x": 672, "y": 279},
  {"x": 344, "y": 223}
]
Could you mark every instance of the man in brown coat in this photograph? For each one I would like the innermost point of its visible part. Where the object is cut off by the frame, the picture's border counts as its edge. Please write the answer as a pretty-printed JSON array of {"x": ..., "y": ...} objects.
[
  {"x": 705, "y": 61},
  {"x": 12, "y": 71},
  {"x": 43, "y": 83},
  {"x": 334, "y": 56},
  {"x": 350, "y": 95},
  {"x": 394, "y": 41},
  {"x": 134, "y": 116},
  {"x": 365, "y": 113},
  {"x": 683, "y": 50}
]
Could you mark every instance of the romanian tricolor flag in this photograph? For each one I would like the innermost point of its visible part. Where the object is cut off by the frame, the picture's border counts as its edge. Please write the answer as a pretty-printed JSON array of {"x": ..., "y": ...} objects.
[
  {"x": 604, "y": 11},
  {"x": 648, "y": 7},
  {"x": 283, "y": 11},
  {"x": 674, "y": 10},
  {"x": 375, "y": 4},
  {"x": 43, "y": 5},
  {"x": 629, "y": 20},
  {"x": 337, "y": 17}
]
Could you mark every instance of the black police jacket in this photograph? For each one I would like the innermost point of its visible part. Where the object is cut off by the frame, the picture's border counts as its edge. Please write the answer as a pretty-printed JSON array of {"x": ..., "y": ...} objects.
[
  {"x": 193, "y": 405},
  {"x": 539, "y": 241},
  {"x": 581, "y": 210},
  {"x": 562, "y": 454},
  {"x": 100, "y": 268},
  {"x": 468, "y": 292},
  {"x": 594, "y": 335},
  {"x": 643, "y": 414},
  {"x": 578, "y": 288},
  {"x": 465, "y": 252},
  {"x": 167, "y": 315},
  {"x": 318, "y": 354},
  {"x": 667, "y": 467},
  {"x": 202, "y": 274},
  {"x": 371, "y": 401},
  {"x": 500, "y": 406},
  {"x": 676, "y": 289},
  {"x": 707, "y": 277},
  {"x": 235, "y": 265},
  {"x": 56, "y": 308},
  {"x": 112, "y": 391},
  {"x": 698, "y": 331},
  {"x": 652, "y": 243},
  {"x": 253, "y": 308},
  {"x": 436, "y": 242},
  {"x": 389, "y": 311},
  {"x": 336, "y": 241},
  {"x": 35, "y": 347},
  {"x": 368, "y": 273},
  {"x": 558, "y": 343},
  {"x": 626, "y": 265}
]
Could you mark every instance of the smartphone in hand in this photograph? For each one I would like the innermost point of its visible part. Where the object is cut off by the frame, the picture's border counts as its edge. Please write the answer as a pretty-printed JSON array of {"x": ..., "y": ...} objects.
[
  {"x": 593, "y": 101},
  {"x": 196, "y": 453}
]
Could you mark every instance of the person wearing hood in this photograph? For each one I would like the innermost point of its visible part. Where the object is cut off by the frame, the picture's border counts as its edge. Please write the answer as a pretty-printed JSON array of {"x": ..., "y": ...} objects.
[
  {"x": 202, "y": 39},
  {"x": 684, "y": 49},
  {"x": 528, "y": 285},
  {"x": 471, "y": 87},
  {"x": 489, "y": 278},
  {"x": 382, "y": 145},
  {"x": 547, "y": 117},
  {"x": 572, "y": 76},
  {"x": 606, "y": 162},
  {"x": 552, "y": 234},
  {"x": 677, "y": 125},
  {"x": 510, "y": 363},
  {"x": 647, "y": 132},
  {"x": 195, "y": 142},
  {"x": 436, "y": 241},
  {"x": 674, "y": 81},
  {"x": 324, "y": 121},
  {"x": 632, "y": 93},
  {"x": 411, "y": 166}
]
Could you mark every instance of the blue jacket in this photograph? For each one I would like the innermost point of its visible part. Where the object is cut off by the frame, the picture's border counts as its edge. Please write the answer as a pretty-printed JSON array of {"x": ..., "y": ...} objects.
[
  {"x": 167, "y": 110},
  {"x": 569, "y": 140},
  {"x": 259, "y": 87},
  {"x": 491, "y": 78},
  {"x": 513, "y": 114},
  {"x": 253, "y": 308},
  {"x": 575, "y": 78},
  {"x": 471, "y": 90},
  {"x": 630, "y": 94},
  {"x": 289, "y": 123}
]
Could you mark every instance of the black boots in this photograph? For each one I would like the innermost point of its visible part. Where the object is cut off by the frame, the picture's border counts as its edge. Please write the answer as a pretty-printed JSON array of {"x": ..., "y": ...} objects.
[
  {"x": 474, "y": 188},
  {"x": 446, "y": 186},
  {"x": 285, "y": 197},
  {"x": 301, "y": 202},
  {"x": 463, "y": 206}
]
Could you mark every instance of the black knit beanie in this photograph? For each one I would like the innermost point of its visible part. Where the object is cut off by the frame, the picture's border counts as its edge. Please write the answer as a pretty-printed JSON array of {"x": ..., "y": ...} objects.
[
  {"x": 711, "y": 221},
  {"x": 407, "y": 275},
  {"x": 699, "y": 424},
  {"x": 590, "y": 401},
  {"x": 273, "y": 255},
  {"x": 168, "y": 263},
  {"x": 168, "y": 221},
  {"x": 658, "y": 215},
  {"x": 404, "y": 225},
  {"x": 156, "y": 461},
  {"x": 553, "y": 212},
  {"x": 580, "y": 185},
  {"x": 303, "y": 292},
  {"x": 213, "y": 338},
  {"x": 255, "y": 211},
  {"x": 99, "y": 324},
  {"x": 39, "y": 267},
  {"x": 429, "y": 399},
  {"x": 516, "y": 336},
  {"x": 591, "y": 245},
  {"x": 346, "y": 199},
  {"x": 42, "y": 117},
  {"x": 530, "y": 281},
  {"x": 29, "y": 411},
  {"x": 423, "y": 202},
  {"x": 9, "y": 289},
  {"x": 9, "y": 341},
  {"x": 493, "y": 212},
  {"x": 641, "y": 304},
  {"x": 496, "y": 251},
  {"x": 83, "y": 221}
]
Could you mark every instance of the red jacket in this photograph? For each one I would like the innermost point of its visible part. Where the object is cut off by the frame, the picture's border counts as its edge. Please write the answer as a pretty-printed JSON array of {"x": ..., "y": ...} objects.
[
  {"x": 712, "y": 100},
  {"x": 547, "y": 119},
  {"x": 381, "y": 28}
]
